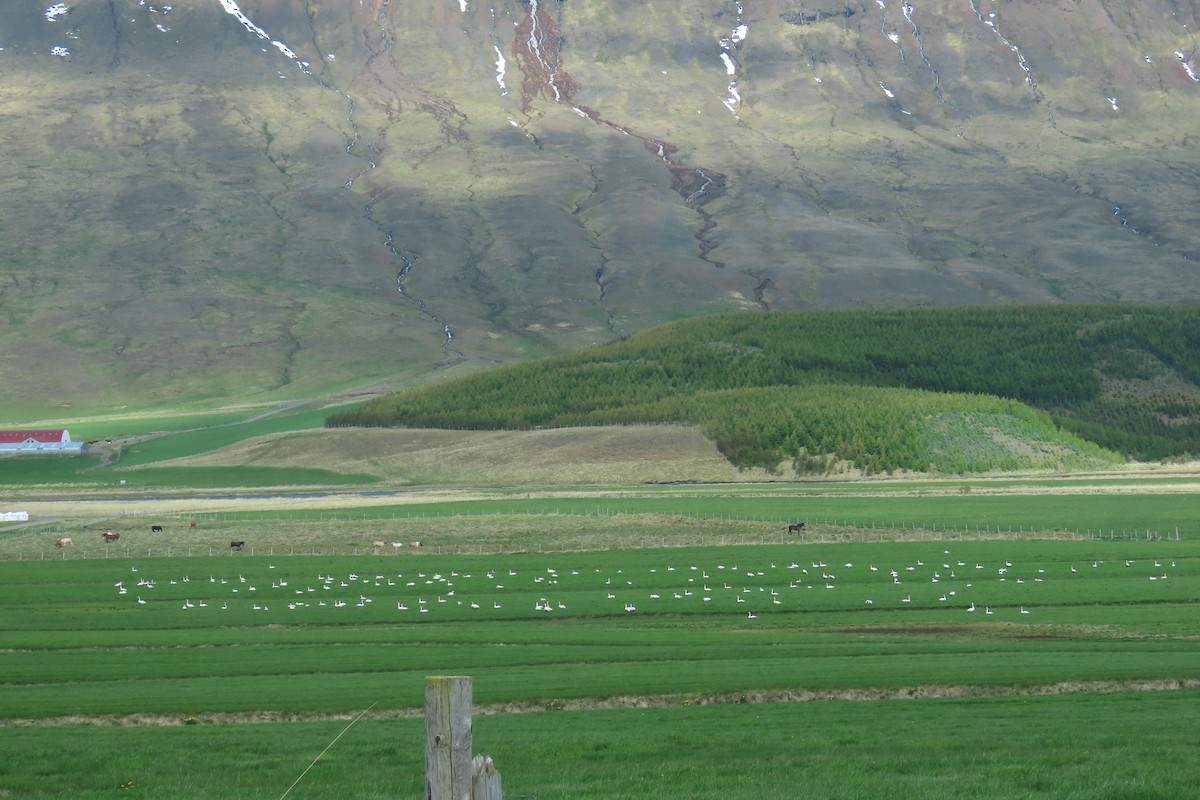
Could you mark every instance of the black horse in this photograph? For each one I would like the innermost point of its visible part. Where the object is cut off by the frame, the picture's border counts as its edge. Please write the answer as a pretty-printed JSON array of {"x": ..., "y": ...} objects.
[{"x": 796, "y": 527}]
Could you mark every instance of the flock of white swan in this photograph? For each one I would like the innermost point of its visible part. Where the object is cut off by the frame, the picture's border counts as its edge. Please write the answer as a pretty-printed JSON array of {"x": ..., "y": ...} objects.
[{"x": 752, "y": 591}]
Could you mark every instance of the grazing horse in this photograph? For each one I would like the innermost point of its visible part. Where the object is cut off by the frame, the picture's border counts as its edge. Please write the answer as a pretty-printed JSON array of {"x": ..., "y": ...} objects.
[
  {"x": 156, "y": 528},
  {"x": 63, "y": 542},
  {"x": 109, "y": 536},
  {"x": 416, "y": 544},
  {"x": 191, "y": 524},
  {"x": 796, "y": 528},
  {"x": 236, "y": 545}
]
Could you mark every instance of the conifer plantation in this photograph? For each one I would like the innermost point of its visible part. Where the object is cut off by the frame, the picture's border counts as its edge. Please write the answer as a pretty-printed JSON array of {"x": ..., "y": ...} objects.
[{"x": 926, "y": 389}]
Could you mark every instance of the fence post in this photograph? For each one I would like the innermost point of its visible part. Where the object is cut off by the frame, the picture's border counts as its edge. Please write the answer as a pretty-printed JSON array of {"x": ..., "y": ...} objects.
[
  {"x": 485, "y": 779},
  {"x": 448, "y": 738}
]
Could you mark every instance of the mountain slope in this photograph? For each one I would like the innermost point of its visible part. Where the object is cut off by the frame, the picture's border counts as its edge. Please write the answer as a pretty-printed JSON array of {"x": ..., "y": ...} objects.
[{"x": 280, "y": 198}]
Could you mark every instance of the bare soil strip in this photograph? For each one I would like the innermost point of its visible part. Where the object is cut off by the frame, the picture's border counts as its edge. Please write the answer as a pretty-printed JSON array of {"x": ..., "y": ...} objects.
[{"x": 750, "y": 697}]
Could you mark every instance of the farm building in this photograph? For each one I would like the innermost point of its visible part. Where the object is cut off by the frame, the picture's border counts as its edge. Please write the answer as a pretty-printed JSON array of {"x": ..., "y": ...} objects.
[{"x": 56, "y": 441}]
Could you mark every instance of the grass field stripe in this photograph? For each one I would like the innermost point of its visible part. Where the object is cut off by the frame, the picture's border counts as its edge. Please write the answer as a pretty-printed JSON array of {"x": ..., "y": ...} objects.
[{"x": 326, "y": 750}]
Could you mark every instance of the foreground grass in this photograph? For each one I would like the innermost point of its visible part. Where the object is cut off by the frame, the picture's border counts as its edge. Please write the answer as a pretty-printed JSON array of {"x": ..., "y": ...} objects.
[{"x": 1079, "y": 746}]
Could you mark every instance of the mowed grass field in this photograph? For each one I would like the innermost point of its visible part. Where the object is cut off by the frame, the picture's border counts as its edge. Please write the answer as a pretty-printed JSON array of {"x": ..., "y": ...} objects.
[{"x": 704, "y": 671}]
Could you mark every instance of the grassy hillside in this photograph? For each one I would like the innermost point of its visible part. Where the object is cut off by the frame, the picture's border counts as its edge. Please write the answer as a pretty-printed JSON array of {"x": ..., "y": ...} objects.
[
  {"x": 192, "y": 216},
  {"x": 815, "y": 387}
]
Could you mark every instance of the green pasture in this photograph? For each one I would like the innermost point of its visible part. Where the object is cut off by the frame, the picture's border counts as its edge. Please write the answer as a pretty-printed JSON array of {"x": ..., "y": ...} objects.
[
  {"x": 27, "y": 471},
  {"x": 962, "y": 513},
  {"x": 176, "y": 437},
  {"x": 247, "y": 477},
  {"x": 123, "y": 427},
  {"x": 193, "y": 441},
  {"x": 252, "y": 634},
  {"x": 1095, "y": 746},
  {"x": 752, "y": 693},
  {"x": 131, "y": 423},
  {"x": 86, "y": 473}
]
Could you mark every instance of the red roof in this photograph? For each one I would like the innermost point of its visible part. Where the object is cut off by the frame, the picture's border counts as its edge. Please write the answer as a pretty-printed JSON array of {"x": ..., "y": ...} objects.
[{"x": 46, "y": 436}]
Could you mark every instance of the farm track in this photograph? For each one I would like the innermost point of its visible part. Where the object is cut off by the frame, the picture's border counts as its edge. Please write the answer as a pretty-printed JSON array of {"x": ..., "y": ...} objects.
[
  {"x": 119, "y": 512},
  {"x": 753, "y": 697},
  {"x": 63, "y": 501}
]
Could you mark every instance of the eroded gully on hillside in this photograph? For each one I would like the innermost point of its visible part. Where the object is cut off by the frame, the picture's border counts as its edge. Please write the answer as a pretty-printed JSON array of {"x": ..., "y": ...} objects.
[
  {"x": 378, "y": 40},
  {"x": 535, "y": 43},
  {"x": 537, "y": 46}
]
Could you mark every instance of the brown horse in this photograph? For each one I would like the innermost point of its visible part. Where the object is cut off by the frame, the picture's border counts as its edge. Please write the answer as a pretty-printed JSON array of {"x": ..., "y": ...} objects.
[
  {"x": 109, "y": 536},
  {"x": 796, "y": 528}
]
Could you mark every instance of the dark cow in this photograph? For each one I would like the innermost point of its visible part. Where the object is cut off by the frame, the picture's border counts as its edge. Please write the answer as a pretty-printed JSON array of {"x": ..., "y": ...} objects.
[
  {"x": 156, "y": 528},
  {"x": 109, "y": 536},
  {"x": 236, "y": 545},
  {"x": 796, "y": 527}
]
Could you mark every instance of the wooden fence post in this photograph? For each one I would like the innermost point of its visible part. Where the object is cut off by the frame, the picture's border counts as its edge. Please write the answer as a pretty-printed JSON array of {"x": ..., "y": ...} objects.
[
  {"x": 447, "y": 738},
  {"x": 450, "y": 771},
  {"x": 485, "y": 780}
]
